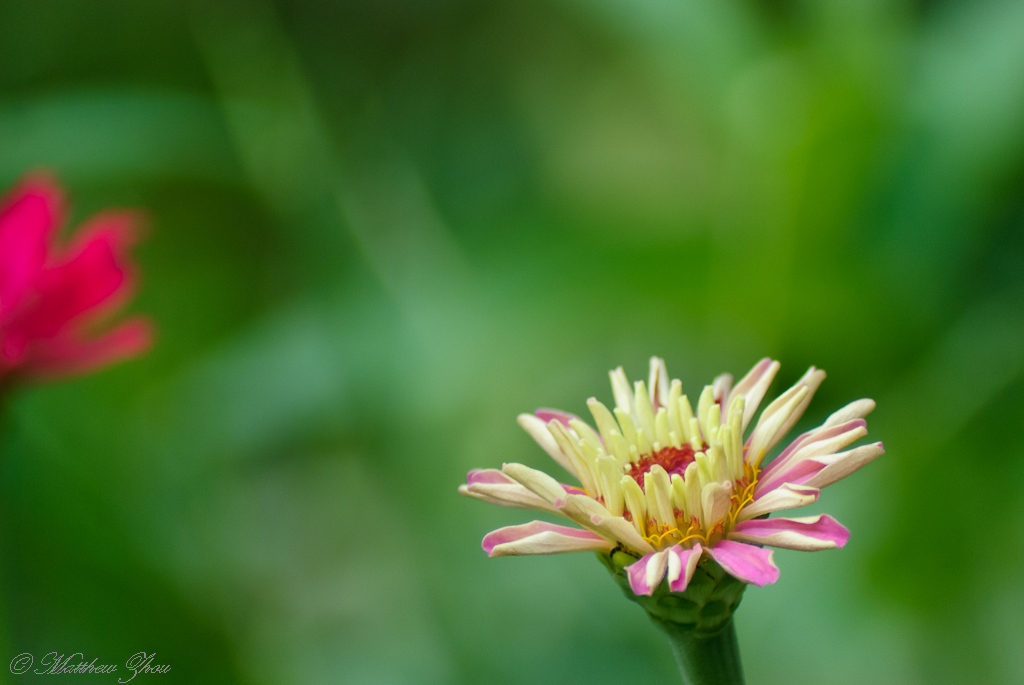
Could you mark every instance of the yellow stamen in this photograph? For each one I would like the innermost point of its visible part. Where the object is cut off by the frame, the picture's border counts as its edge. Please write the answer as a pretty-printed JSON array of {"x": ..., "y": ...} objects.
[{"x": 693, "y": 531}]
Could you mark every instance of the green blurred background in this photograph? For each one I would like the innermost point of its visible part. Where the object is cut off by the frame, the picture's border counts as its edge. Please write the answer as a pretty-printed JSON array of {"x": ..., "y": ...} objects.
[{"x": 380, "y": 230}]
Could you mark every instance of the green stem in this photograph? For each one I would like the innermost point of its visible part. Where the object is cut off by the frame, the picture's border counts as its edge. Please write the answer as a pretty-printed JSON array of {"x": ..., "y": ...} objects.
[{"x": 705, "y": 659}]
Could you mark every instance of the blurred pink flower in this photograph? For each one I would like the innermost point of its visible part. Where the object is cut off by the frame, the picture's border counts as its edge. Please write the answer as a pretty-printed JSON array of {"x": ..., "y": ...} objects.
[
  {"x": 54, "y": 298},
  {"x": 673, "y": 487}
]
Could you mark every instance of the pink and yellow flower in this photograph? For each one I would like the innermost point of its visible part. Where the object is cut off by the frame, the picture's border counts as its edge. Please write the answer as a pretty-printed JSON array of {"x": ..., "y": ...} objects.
[
  {"x": 52, "y": 297},
  {"x": 671, "y": 485}
]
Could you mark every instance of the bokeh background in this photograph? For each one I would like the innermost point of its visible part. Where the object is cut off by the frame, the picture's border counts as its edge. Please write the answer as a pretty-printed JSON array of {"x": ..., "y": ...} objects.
[{"x": 380, "y": 230}]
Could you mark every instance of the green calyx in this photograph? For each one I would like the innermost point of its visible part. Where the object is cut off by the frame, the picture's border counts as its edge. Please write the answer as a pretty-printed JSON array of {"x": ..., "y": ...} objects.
[
  {"x": 697, "y": 622},
  {"x": 705, "y": 608}
]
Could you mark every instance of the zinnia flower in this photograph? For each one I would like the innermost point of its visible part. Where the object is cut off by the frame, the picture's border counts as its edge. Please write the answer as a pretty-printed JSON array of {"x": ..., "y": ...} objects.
[
  {"x": 52, "y": 297},
  {"x": 668, "y": 485}
]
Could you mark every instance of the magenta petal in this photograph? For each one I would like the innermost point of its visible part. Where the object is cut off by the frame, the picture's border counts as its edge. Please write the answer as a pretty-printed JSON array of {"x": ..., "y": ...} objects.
[
  {"x": 94, "y": 274},
  {"x": 66, "y": 355},
  {"x": 746, "y": 562},
  {"x": 29, "y": 216},
  {"x": 51, "y": 302},
  {"x": 811, "y": 533},
  {"x": 646, "y": 575}
]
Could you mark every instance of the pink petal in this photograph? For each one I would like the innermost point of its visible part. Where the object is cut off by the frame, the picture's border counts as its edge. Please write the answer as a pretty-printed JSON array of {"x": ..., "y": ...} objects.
[
  {"x": 721, "y": 388},
  {"x": 94, "y": 273},
  {"x": 646, "y": 575},
  {"x": 539, "y": 431},
  {"x": 794, "y": 474},
  {"x": 792, "y": 465},
  {"x": 541, "y": 537},
  {"x": 780, "y": 415},
  {"x": 753, "y": 386},
  {"x": 28, "y": 217},
  {"x": 819, "y": 472},
  {"x": 817, "y": 442},
  {"x": 839, "y": 466},
  {"x": 820, "y": 433},
  {"x": 808, "y": 534},
  {"x": 746, "y": 562},
  {"x": 487, "y": 476},
  {"x": 493, "y": 486},
  {"x": 681, "y": 569},
  {"x": 548, "y": 415},
  {"x": 65, "y": 355},
  {"x": 496, "y": 477}
]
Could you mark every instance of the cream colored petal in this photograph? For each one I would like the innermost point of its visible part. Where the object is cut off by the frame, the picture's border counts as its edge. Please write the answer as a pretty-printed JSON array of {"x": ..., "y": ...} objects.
[
  {"x": 506, "y": 495},
  {"x": 570, "y": 446},
  {"x": 610, "y": 471},
  {"x": 732, "y": 448},
  {"x": 661, "y": 429},
  {"x": 681, "y": 566},
  {"x": 586, "y": 433},
  {"x": 644, "y": 412},
  {"x": 811, "y": 380},
  {"x": 845, "y": 463},
  {"x": 851, "y": 432},
  {"x": 678, "y": 493},
  {"x": 674, "y": 394},
  {"x": 618, "y": 528},
  {"x": 686, "y": 415},
  {"x": 636, "y": 503},
  {"x": 537, "y": 482},
  {"x": 582, "y": 509},
  {"x": 692, "y": 485},
  {"x": 854, "y": 410},
  {"x": 722, "y": 389},
  {"x": 619, "y": 448},
  {"x": 658, "y": 488},
  {"x": 590, "y": 514},
  {"x": 770, "y": 427},
  {"x": 752, "y": 387},
  {"x": 603, "y": 419},
  {"x": 715, "y": 498},
  {"x": 538, "y": 430},
  {"x": 786, "y": 496},
  {"x": 705, "y": 403},
  {"x": 696, "y": 436},
  {"x": 656, "y": 568},
  {"x": 628, "y": 426},
  {"x": 717, "y": 464},
  {"x": 621, "y": 390},
  {"x": 658, "y": 381}
]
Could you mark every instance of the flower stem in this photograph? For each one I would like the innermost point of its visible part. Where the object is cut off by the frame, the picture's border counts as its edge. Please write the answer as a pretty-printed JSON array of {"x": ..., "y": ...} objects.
[{"x": 705, "y": 659}]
